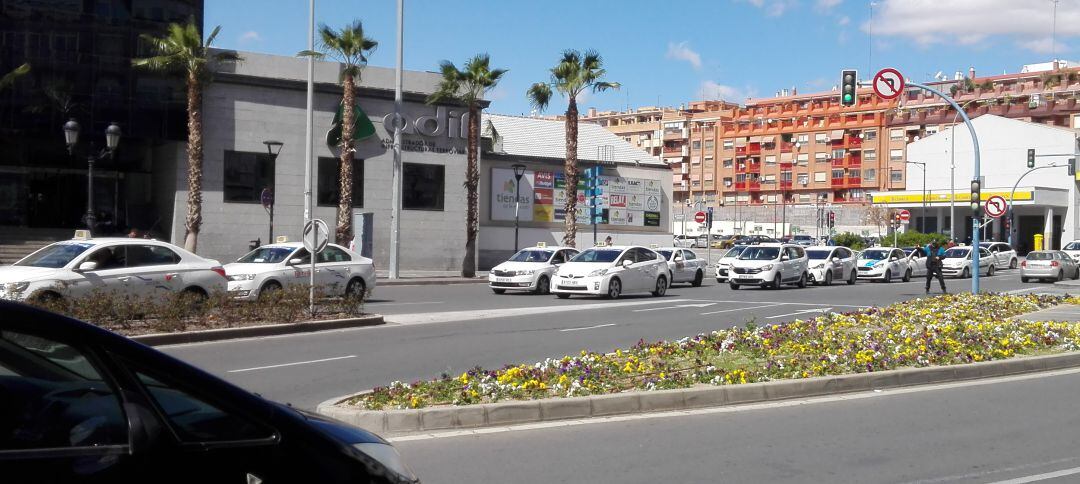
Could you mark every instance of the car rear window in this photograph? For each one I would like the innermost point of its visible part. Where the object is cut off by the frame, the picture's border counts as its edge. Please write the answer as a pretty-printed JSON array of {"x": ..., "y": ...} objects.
[{"x": 1040, "y": 256}]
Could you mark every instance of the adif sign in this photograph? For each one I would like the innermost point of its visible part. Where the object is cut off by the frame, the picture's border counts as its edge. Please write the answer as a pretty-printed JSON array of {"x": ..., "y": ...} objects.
[{"x": 447, "y": 123}]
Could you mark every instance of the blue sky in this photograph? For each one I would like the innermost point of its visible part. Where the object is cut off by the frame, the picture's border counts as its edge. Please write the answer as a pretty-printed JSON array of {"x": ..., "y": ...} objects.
[{"x": 675, "y": 52}]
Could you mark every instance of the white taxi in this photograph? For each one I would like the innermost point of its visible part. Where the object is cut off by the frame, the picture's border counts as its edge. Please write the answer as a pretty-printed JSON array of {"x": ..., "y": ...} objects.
[
  {"x": 827, "y": 264},
  {"x": 957, "y": 262},
  {"x": 134, "y": 267},
  {"x": 883, "y": 264},
  {"x": 1004, "y": 254},
  {"x": 612, "y": 271},
  {"x": 338, "y": 271},
  {"x": 530, "y": 269},
  {"x": 684, "y": 265},
  {"x": 1073, "y": 249},
  {"x": 723, "y": 266}
]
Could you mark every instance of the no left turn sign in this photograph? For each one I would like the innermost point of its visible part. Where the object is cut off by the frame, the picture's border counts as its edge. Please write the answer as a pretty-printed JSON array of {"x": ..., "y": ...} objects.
[
  {"x": 888, "y": 83},
  {"x": 995, "y": 206}
]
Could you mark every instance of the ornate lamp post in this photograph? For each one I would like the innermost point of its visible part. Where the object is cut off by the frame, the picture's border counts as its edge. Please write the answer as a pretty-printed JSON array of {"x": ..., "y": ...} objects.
[
  {"x": 519, "y": 171},
  {"x": 112, "y": 140}
]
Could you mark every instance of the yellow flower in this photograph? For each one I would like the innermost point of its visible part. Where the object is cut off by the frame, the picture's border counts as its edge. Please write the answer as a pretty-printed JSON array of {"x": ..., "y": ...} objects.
[
  {"x": 563, "y": 380},
  {"x": 464, "y": 378}
]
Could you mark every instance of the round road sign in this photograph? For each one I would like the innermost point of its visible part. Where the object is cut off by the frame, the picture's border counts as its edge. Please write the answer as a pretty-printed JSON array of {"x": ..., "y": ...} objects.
[
  {"x": 316, "y": 235},
  {"x": 699, "y": 217},
  {"x": 995, "y": 206},
  {"x": 905, "y": 216},
  {"x": 888, "y": 83}
]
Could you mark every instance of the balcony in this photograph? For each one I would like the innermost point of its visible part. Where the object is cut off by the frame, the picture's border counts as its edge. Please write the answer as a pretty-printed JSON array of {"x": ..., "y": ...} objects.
[
  {"x": 740, "y": 150},
  {"x": 753, "y": 167},
  {"x": 754, "y": 186},
  {"x": 852, "y": 142},
  {"x": 837, "y": 182},
  {"x": 785, "y": 185},
  {"x": 837, "y": 162},
  {"x": 854, "y": 159},
  {"x": 753, "y": 149},
  {"x": 786, "y": 147},
  {"x": 786, "y": 165},
  {"x": 677, "y": 150},
  {"x": 740, "y": 185}
]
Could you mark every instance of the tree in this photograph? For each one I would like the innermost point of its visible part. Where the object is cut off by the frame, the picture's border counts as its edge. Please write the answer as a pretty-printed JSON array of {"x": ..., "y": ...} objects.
[
  {"x": 182, "y": 49},
  {"x": 574, "y": 73},
  {"x": 351, "y": 48},
  {"x": 467, "y": 86},
  {"x": 9, "y": 78}
]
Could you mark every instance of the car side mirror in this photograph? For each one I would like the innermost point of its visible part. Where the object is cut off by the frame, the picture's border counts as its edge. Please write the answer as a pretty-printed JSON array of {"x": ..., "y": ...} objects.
[
  {"x": 627, "y": 263},
  {"x": 784, "y": 257},
  {"x": 296, "y": 262},
  {"x": 87, "y": 266}
]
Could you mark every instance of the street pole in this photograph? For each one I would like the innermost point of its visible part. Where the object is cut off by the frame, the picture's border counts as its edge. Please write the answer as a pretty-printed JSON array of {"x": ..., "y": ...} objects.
[
  {"x": 517, "y": 208},
  {"x": 1012, "y": 195},
  {"x": 952, "y": 173},
  {"x": 309, "y": 120},
  {"x": 395, "y": 188},
  {"x": 90, "y": 218}
]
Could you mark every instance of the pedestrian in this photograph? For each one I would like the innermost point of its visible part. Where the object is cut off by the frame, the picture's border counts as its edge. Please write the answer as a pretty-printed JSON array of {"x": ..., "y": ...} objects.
[
  {"x": 134, "y": 234},
  {"x": 608, "y": 241},
  {"x": 934, "y": 254}
]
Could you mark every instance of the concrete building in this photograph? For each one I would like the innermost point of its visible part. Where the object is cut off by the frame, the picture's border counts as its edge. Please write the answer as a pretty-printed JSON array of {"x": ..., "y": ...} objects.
[
  {"x": 637, "y": 187},
  {"x": 1045, "y": 201}
]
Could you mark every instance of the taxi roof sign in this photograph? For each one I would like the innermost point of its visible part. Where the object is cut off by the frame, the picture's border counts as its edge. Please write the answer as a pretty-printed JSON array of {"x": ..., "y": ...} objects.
[
  {"x": 541, "y": 244},
  {"x": 281, "y": 239},
  {"x": 82, "y": 235},
  {"x": 654, "y": 246},
  {"x": 601, "y": 244}
]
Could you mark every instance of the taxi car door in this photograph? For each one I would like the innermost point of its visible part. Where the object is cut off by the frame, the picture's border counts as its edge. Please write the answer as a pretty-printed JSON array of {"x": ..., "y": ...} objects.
[
  {"x": 111, "y": 273},
  {"x": 332, "y": 269}
]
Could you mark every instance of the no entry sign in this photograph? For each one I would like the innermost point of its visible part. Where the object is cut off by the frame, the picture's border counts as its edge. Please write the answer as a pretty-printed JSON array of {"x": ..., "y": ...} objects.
[
  {"x": 888, "y": 83},
  {"x": 699, "y": 217},
  {"x": 905, "y": 216}
]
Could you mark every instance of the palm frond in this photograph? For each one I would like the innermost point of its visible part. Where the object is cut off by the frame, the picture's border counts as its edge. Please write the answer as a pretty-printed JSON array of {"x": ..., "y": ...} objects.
[
  {"x": 9, "y": 78},
  {"x": 213, "y": 35},
  {"x": 539, "y": 95},
  {"x": 311, "y": 53},
  {"x": 604, "y": 86}
]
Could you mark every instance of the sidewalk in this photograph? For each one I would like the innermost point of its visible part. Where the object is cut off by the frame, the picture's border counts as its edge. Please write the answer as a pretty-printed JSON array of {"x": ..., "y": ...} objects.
[
  {"x": 1068, "y": 283},
  {"x": 428, "y": 278},
  {"x": 1063, "y": 312}
]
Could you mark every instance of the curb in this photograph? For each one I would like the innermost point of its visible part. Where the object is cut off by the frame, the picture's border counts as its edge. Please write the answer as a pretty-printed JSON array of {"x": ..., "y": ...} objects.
[
  {"x": 158, "y": 339},
  {"x": 549, "y": 409},
  {"x": 428, "y": 282}
]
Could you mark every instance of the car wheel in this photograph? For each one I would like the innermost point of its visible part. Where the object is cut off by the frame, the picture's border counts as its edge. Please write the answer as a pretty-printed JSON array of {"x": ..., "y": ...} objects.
[
  {"x": 990, "y": 271},
  {"x": 966, "y": 274},
  {"x": 269, "y": 289},
  {"x": 614, "y": 289},
  {"x": 661, "y": 287},
  {"x": 1077, "y": 275},
  {"x": 854, "y": 277},
  {"x": 734, "y": 287},
  {"x": 1060, "y": 275},
  {"x": 1023, "y": 279},
  {"x": 828, "y": 278},
  {"x": 499, "y": 291},
  {"x": 543, "y": 285},
  {"x": 563, "y": 296},
  {"x": 1012, "y": 263},
  {"x": 888, "y": 275},
  {"x": 356, "y": 288},
  {"x": 802, "y": 280},
  {"x": 776, "y": 281},
  {"x": 907, "y": 276},
  {"x": 698, "y": 278}
]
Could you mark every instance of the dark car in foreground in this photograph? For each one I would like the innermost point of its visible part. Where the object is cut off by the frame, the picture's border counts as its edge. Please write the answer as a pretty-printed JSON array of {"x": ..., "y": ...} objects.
[{"x": 81, "y": 404}]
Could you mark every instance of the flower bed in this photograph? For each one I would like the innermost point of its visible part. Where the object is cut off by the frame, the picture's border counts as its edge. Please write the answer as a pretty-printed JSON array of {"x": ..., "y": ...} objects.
[{"x": 943, "y": 330}]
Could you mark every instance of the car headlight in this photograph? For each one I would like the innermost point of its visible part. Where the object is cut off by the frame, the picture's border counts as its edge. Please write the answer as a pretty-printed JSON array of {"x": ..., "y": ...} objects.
[
  {"x": 598, "y": 272},
  {"x": 766, "y": 267},
  {"x": 386, "y": 455},
  {"x": 879, "y": 264},
  {"x": 819, "y": 266},
  {"x": 242, "y": 277},
  {"x": 15, "y": 287}
]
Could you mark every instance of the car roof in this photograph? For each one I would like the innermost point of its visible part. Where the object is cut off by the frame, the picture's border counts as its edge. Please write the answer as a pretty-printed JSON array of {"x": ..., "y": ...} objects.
[
  {"x": 824, "y": 247},
  {"x": 549, "y": 247}
]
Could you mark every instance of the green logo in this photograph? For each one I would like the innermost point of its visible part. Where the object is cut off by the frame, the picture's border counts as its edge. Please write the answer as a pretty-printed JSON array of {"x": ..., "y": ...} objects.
[{"x": 362, "y": 127}]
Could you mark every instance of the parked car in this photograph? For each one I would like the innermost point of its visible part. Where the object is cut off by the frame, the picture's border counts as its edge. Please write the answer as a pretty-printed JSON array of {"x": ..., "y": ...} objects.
[
  {"x": 883, "y": 264},
  {"x": 133, "y": 267},
  {"x": 735, "y": 240},
  {"x": 1004, "y": 254},
  {"x": 338, "y": 271},
  {"x": 683, "y": 265},
  {"x": 1053, "y": 265},
  {"x": 530, "y": 269},
  {"x": 723, "y": 266},
  {"x": 803, "y": 240},
  {"x": 829, "y": 263},
  {"x": 769, "y": 265},
  {"x": 82, "y": 404},
  {"x": 684, "y": 241},
  {"x": 957, "y": 262},
  {"x": 916, "y": 259},
  {"x": 612, "y": 272},
  {"x": 1073, "y": 249}
]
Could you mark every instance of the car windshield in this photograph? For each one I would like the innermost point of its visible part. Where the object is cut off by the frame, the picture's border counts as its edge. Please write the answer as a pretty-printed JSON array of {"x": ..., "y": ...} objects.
[
  {"x": 597, "y": 255},
  {"x": 818, "y": 254},
  {"x": 266, "y": 255},
  {"x": 956, "y": 253},
  {"x": 760, "y": 253},
  {"x": 802, "y": 237},
  {"x": 665, "y": 253},
  {"x": 54, "y": 256},
  {"x": 532, "y": 256},
  {"x": 875, "y": 254},
  {"x": 735, "y": 251},
  {"x": 1072, "y": 246}
]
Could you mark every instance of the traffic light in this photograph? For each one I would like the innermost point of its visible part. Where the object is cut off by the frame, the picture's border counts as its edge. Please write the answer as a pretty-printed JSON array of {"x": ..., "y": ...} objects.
[
  {"x": 1072, "y": 167},
  {"x": 896, "y": 219},
  {"x": 708, "y": 219},
  {"x": 976, "y": 198},
  {"x": 832, "y": 219},
  {"x": 849, "y": 87},
  {"x": 1031, "y": 157}
]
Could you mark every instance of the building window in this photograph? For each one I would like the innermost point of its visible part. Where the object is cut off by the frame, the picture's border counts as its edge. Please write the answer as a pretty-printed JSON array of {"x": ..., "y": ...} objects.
[
  {"x": 855, "y": 194},
  {"x": 729, "y": 144},
  {"x": 839, "y": 153},
  {"x": 785, "y": 176},
  {"x": 709, "y": 145},
  {"x": 837, "y": 174},
  {"x": 819, "y": 177},
  {"x": 771, "y": 198},
  {"x": 821, "y": 157},
  {"x": 740, "y": 177},
  {"x": 708, "y": 177},
  {"x": 804, "y": 179},
  {"x": 727, "y": 181},
  {"x": 870, "y": 155},
  {"x": 696, "y": 183},
  {"x": 246, "y": 174},
  {"x": 896, "y": 134},
  {"x": 728, "y": 163},
  {"x": 330, "y": 182},
  {"x": 696, "y": 145},
  {"x": 870, "y": 135},
  {"x": 803, "y": 159},
  {"x": 821, "y": 138},
  {"x": 896, "y": 176},
  {"x": 869, "y": 174},
  {"x": 804, "y": 138},
  {"x": 770, "y": 160},
  {"x": 422, "y": 186},
  {"x": 896, "y": 155}
]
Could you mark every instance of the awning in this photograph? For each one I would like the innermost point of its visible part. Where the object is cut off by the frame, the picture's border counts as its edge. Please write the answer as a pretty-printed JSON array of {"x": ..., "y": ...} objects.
[
  {"x": 755, "y": 139},
  {"x": 836, "y": 134},
  {"x": 913, "y": 128},
  {"x": 740, "y": 142},
  {"x": 785, "y": 157},
  {"x": 768, "y": 139}
]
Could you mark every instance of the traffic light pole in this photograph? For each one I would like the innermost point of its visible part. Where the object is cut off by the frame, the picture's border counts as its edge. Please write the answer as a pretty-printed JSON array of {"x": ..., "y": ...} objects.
[{"x": 1012, "y": 194}]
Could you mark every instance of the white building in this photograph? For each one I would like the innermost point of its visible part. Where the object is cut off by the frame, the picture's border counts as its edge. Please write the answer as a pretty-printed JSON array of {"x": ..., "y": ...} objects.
[{"x": 1045, "y": 200}]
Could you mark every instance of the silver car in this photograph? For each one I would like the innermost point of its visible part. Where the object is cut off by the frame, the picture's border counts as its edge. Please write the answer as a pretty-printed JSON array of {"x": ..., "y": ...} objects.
[{"x": 1048, "y": 264}]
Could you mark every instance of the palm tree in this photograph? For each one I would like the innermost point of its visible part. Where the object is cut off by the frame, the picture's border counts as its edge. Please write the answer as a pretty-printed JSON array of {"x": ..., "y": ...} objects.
[
  {"x": 574, "y": 73},
  {"x": 351, "y": 48},
  {"x": 182, "y": 49},
  {"x": 9, "y": 78},
  {"x": 468, "y": 87}
]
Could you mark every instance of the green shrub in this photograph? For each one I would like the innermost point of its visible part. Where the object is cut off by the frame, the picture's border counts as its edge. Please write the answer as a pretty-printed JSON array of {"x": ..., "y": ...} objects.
[
  {"x": 849, "y": 240},
  {"x": 915, "y": 238}
]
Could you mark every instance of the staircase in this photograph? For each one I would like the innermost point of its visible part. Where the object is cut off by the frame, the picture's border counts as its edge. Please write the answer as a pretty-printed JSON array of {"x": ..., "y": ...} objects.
[{"x": 18, "y": 242}]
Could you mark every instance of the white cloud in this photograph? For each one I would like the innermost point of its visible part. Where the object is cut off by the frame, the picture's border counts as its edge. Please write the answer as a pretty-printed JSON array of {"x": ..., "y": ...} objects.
[
  {"x": 682, "y": 52},
  {"x": 715, "y": 90},
  {"x": 929, "y": 22},
  {"x": 826, "y": 5},
  {"x": 1043, "y": 46},
  {"x": 250, "y": 36},
  {"x": 775, "y": 8},
  {"x": 843, "y": 20}
]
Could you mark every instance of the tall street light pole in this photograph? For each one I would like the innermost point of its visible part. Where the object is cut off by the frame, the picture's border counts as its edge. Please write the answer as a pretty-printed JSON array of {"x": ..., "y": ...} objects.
[
  {"x": 952, "y": 171},
  {"x": 395, "y": 188},
  {"x": 309, "y": 116},
  {"x": 922, "y": 218},
  {"x": 112, "y": 140},
  {"x": 267, "y": 195},
  {"x": 519, "y": 171}
]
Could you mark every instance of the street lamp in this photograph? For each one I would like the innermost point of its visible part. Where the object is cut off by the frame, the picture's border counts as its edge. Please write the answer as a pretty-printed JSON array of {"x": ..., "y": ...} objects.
[
  {"x": 952, "y": 169},
  {"x": 273, "y": 148},
  {"x": 922, "y": 219},
  {"x": 519, "y": 171},
  {"x": 112, "y": 140}
]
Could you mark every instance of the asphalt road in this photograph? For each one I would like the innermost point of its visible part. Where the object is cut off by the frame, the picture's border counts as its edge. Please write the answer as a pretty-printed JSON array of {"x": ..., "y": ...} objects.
[
  {"x": 1003, "y": 431},
  {"x": 435, "y": 329}
]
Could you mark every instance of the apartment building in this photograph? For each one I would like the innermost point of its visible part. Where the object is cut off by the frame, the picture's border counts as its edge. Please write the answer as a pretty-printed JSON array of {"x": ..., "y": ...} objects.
[{"x": 639, "y": 127}]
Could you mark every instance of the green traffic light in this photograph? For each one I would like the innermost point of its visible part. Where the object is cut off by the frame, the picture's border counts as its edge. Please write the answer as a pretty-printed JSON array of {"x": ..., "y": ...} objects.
[{"x": 847, "y": 98}]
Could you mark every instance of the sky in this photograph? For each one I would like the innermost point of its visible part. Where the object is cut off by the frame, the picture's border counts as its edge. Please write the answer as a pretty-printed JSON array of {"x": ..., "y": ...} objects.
[{"x": 671, "y": 53}]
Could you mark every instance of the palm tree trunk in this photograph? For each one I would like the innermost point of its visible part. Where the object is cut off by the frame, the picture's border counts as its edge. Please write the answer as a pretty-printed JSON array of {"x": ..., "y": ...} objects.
[
  {"x": 344, "y": 210},
  {"x": 570, "y": 235},
  {"x": 195, "y": 156},
  {"x": 472, "y": 181}
]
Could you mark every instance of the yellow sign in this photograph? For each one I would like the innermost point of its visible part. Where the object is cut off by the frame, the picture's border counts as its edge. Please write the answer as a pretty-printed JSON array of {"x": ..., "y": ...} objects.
[
  {"x": 82, "y": 235},
  {"x": 541, "y": 244},
  {"x": 281, "y": 239},
  {"x": 946, "y": 197}
]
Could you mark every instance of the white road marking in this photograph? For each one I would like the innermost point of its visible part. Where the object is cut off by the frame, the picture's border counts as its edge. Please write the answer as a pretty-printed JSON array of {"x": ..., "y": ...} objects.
[
  {"x": 733, "y": 408},
  {"x": 588, "y": 327},
  {"x": 796, "y": 313},
  {"x": 775, "y": 303},
  {"x": 972, "y": 475},
  {"x": 449, "y": 316},
  {"x": 405, "y": 303},
  {"x": 292, "y": 364},
  {"x": 741, "y": 309},
  {"x": 701, "y": 305},
  {"x": 1041, "y": 477}
]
